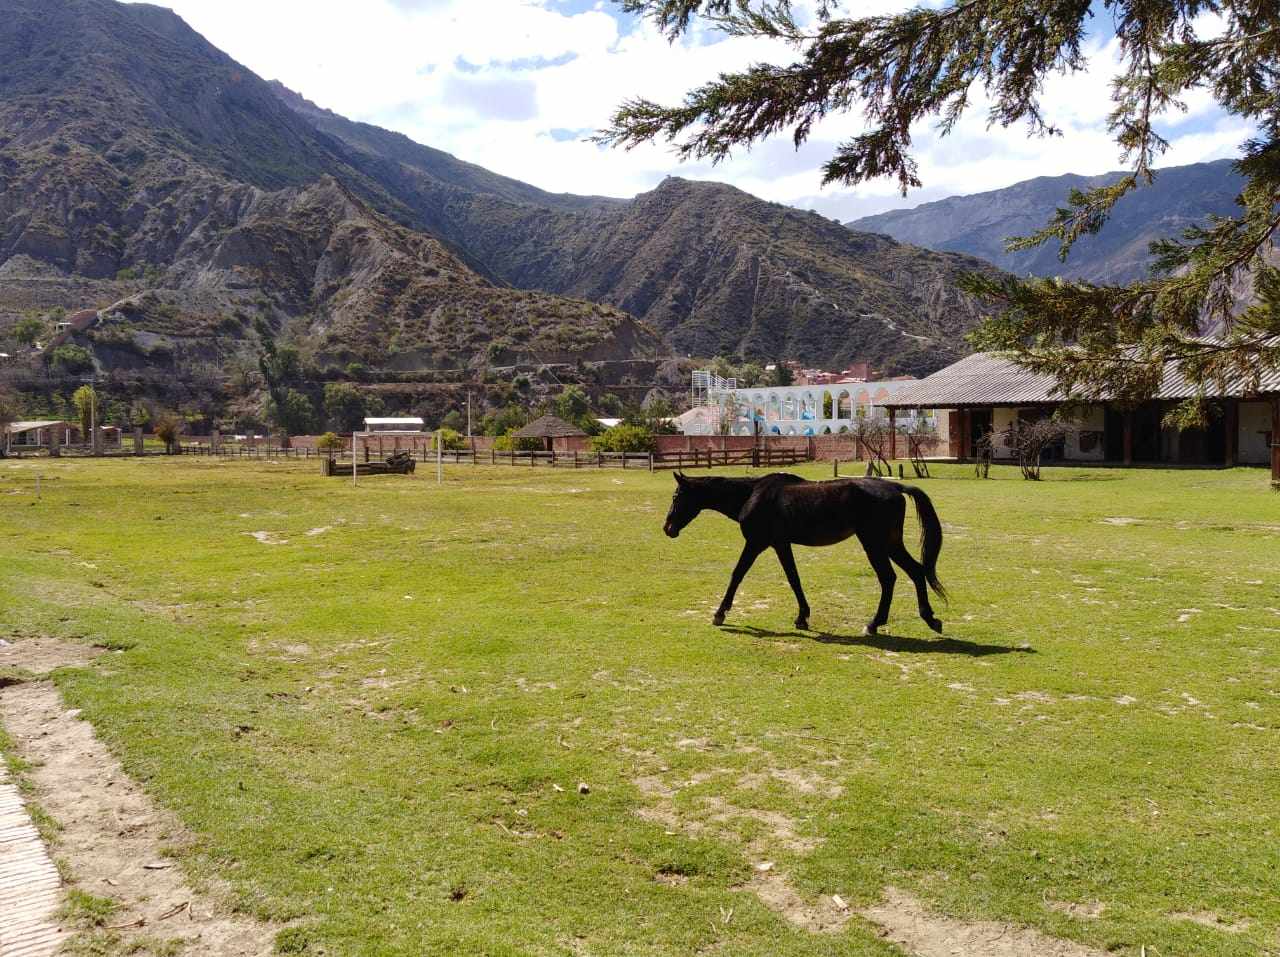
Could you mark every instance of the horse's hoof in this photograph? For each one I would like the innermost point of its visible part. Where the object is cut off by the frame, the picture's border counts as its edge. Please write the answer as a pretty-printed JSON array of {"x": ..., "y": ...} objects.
[
  {"x": 870, "y": 630},
  {"x": 802, "y": 624},
  {"x": 935, "y": 624},
  {"x": 718, "y": 620}
]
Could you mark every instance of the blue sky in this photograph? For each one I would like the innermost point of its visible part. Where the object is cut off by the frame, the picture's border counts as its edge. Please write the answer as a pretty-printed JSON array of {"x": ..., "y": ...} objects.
[{"x": 517, "y": 85}]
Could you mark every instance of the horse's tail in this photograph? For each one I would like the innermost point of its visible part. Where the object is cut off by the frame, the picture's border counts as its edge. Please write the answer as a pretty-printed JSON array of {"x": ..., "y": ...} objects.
[{"x": 930, "y": 536}]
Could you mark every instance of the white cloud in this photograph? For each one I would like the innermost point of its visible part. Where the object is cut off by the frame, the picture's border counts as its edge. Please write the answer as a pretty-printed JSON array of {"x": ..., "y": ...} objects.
[{"x": 489, "y": 80}]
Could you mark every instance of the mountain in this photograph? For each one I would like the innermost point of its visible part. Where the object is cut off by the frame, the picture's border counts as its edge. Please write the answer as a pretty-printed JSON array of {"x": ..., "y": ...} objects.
[
  {"x": 713, "y": 269},
  {"x": 978, "y": 224},
  {"x": 145, "y": 173}
]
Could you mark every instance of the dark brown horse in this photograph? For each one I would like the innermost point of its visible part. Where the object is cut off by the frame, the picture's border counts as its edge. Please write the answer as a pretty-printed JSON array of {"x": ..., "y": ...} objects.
[{"x": 780, "y": 510}]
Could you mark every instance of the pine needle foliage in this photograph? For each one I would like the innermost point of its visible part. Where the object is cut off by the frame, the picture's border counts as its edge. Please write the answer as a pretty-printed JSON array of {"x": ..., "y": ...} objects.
[{"x": 928, "y": 65}]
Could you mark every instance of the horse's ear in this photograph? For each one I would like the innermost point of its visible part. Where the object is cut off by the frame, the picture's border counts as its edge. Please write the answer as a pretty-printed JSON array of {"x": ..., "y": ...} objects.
[{"x": 680, "y": 479}]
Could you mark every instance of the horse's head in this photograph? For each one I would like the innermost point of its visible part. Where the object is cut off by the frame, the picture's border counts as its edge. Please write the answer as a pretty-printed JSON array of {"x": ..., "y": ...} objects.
[{"x": 685, "y": 505}]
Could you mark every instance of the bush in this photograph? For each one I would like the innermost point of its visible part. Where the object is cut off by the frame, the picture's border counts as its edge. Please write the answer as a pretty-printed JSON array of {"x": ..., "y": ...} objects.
[
  {"x": 508, "y": 442},
  {"x": 452, "y": 440},
  {"x": 29, "y": 330},
  {"x": 71, "y": 359},
  {"x": 328, "y": 443},
  {"x": 624, "y": 438},
  {"x": 168, "y": 426}
]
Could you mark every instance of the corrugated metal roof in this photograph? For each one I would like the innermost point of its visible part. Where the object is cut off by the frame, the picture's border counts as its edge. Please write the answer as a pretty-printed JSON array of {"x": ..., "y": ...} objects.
[
  {"x": 16, "y": 427},
  {"x": 989, "y": 378}
]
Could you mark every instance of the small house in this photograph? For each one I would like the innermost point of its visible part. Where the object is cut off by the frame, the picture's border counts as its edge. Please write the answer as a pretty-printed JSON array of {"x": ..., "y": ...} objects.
[
  {"x": 42, "y": 434},
  {"x": 556, "y": 434}
]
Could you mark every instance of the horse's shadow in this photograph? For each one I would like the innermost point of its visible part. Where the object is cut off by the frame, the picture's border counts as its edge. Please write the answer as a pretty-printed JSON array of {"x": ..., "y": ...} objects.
[{"x": 887, "y": 642}]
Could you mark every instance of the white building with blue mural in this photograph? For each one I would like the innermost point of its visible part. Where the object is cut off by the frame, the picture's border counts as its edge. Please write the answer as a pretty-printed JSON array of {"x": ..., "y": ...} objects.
[{"x": 798, "y": 410}]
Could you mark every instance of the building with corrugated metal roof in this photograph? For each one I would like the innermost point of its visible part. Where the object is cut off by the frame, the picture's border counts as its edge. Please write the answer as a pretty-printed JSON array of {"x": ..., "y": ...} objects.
[{"x": 988, "y": 392}]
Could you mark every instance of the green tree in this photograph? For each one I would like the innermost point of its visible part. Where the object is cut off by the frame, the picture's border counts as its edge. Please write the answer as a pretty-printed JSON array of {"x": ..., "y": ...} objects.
[
  {"x": 455, "y": 421},
  {"x": 932, "y": 63},
  {"x": 781, "y": 374},
  {"x": 344, "y": 406},
  {"x": 86, "y": 403},
  {"x": 750, "y": 375},
  {"x": 139, "y": 414},
  {"x": 574, "y": 405},
  {"x": 29, "y": 330},
  {"x": 280, "y": 366},
  {"x": 9, "y": 412},
  {"x": 504, "y": 420},
  {"x": 653, "y": 415},
  {"x": 293, "y": 414}
]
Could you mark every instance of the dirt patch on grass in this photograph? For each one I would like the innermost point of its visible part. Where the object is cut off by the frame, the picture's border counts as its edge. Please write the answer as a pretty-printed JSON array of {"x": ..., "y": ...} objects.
[
  {"x": 39, "y": 656},
  {"x": 823, "y": 916},
  {"x": 904, "y": 920},
  {"x": 1213, "y": 921},
  {"x": 1089, "y": 910},
  {"x": 112, "y": 840}
]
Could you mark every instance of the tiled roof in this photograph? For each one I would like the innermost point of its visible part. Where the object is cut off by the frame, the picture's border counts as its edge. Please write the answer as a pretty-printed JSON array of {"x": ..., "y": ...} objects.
[{"x": 989, "y": 378}]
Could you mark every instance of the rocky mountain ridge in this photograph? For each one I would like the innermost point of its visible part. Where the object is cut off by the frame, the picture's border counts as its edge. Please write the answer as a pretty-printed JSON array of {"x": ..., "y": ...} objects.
[
  {"x": 978, "y": 224},
  {"x": 136, "y": 158}
]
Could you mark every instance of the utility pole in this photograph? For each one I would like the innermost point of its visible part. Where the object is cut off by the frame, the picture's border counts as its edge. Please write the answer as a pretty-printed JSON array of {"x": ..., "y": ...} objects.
[{"x": 468, "y": 413}]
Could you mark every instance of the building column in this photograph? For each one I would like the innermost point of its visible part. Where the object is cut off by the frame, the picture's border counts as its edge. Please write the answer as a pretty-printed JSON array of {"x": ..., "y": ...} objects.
[
  {"x": 1231, "y": 439},
  {"x": 1275, "y": 441},
  {"x": 893, "y": 433},
  {"x": 1128, "y": 436}
]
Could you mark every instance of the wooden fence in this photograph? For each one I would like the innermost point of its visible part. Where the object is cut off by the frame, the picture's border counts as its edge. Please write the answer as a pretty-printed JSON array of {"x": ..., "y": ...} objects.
[
  {"x": 760, "y": 457},
  {"x": 765, "y": 457}
]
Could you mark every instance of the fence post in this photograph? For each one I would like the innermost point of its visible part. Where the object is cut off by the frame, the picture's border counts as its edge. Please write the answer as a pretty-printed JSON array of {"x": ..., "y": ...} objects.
[{"x": 650, "y": 461}]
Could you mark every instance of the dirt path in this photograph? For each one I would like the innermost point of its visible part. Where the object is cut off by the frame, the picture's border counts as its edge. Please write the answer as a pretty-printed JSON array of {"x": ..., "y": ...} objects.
[
  {"x": 917, "y": 930},
  {"x": 111, "y": 837}
]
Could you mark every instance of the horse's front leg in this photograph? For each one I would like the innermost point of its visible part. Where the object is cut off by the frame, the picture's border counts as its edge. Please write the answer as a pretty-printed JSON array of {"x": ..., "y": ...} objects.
[
  {"x": 750, "y": 552},
  {"x": 788, "y": 562},
  {"x": 877, "y": 554}
]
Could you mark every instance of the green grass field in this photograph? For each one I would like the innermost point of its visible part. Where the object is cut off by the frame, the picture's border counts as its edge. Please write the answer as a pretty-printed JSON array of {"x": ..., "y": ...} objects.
[{"x": 374, "y": 717}]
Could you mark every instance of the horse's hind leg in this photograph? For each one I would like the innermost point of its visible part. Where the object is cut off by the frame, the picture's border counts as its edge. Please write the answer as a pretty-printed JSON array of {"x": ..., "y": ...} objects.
[
  {"x": 788, "y": 562},
  {"x": 878, "y": 555},
  {"x": 899, "y": 554},
  {"x": 750, "y": 552}
]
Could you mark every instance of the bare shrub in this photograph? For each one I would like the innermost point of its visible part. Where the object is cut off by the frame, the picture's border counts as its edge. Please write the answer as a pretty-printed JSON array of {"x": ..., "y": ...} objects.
[
  {"x": 920, "y": 437},
  {"x": 1028, "y": 440}
]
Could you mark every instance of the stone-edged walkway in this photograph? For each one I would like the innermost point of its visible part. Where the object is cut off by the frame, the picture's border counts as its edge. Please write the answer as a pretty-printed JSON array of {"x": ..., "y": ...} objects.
[{"x": 30, "y": 887}]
